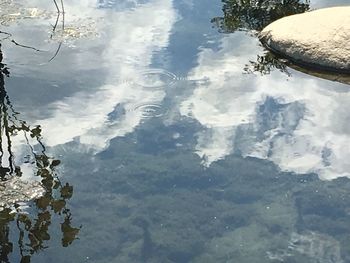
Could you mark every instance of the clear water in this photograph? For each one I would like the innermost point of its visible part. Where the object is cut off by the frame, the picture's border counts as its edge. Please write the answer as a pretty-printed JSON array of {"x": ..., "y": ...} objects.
[{"x": 164, "y": 133}]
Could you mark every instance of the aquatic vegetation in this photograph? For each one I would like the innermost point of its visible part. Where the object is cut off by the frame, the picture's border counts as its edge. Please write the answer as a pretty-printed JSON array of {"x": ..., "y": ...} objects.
[{"x": 164, "y": 206}]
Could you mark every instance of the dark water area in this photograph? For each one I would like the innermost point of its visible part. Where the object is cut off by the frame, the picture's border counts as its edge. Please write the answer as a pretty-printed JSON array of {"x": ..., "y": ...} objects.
[{"x": 162, "y": 131}]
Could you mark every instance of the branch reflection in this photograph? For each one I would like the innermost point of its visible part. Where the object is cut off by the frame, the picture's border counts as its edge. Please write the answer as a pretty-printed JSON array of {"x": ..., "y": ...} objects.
[
  {"x": 266, "y": 63},
  {"x": 25, "y": 231},
  {"x": 256, "y": 14}
]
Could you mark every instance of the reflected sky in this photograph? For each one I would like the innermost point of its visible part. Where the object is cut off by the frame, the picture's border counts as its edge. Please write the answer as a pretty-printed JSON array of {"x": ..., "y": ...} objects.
[
  {"x": 270, "y": 117},
  {"x": 138, "y": 33},
  {"x": 149, "y": 96},
  {"x": 325, "y": 3}
]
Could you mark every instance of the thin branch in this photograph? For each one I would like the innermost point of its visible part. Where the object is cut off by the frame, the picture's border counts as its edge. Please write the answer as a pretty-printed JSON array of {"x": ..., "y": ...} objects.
[
  {"x": 59, "y": 12},
  {"x": 55, "y": 26},
  {"x": 63, "y": 15},
  {"x": 16, "y": 43},
  {"x": 6, "y": 33},
  {"x": 58, "y": 9},
  {"x": 24, "y": 46},
  {"x": 56, "y": 53}
]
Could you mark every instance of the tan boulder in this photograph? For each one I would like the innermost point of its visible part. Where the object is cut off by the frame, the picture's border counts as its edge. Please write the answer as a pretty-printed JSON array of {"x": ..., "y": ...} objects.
[{"x": 319, "y": 39}]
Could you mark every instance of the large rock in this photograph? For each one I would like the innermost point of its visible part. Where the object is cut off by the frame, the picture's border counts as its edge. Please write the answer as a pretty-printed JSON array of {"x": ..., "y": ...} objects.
[{"x": 319, "y": 39}]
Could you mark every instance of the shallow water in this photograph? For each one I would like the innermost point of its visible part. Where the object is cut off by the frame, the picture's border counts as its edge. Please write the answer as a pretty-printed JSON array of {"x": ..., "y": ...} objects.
[{"x": 162, "y": 132}]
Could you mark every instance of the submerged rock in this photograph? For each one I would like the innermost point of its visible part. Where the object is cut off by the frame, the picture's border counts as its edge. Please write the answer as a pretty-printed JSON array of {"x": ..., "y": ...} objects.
[
  {"x": 15, "y": 190},
  {"x": 318, "y": 247},
  {"x": 310, "y": 247},
  {"x": 319, "y": 39}
]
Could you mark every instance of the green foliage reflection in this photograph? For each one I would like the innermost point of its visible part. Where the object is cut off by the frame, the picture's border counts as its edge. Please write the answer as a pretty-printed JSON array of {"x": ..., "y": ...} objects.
[
  {"x": 256, "y": 14},
  {"x": 266, "y": 63},
  {"x": 27, "y": 232}
]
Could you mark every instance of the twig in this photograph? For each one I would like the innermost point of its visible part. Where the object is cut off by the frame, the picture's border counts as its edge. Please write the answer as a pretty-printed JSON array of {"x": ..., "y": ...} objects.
[
  {"x": 63, "y": 15},
  {"x": 55, "y": 26},
  {"x": 56, "y": 53},
  {"x": 58, "y": 9},
  {"x": 16, "y": 43},
  {"x": 6, "y": 33},
  {"x": 59, "y": 12},
  {"x": 24, "y": 46}
]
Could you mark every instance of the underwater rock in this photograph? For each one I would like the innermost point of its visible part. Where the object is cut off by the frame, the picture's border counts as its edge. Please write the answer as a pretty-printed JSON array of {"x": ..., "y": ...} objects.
[
  {"x": 319, "y": 247},
  {"x": 310, "y": 247},
  {"x": 247, "y": 244},
  {"x": 317, "y": 39},
  {"x": 15, "y": 190}
]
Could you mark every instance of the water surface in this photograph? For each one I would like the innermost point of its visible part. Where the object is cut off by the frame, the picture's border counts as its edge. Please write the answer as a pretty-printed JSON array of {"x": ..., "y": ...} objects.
[{"x": 164, "y": 132}]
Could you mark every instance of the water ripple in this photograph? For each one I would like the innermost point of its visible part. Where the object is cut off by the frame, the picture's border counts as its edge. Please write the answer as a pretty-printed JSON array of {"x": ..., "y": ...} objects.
[
  {"x": 155, "y": 78},
  {"x": 149, "y": 110}
]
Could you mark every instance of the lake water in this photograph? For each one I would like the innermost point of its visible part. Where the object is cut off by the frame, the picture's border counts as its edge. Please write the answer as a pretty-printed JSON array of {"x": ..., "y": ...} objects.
[{"x": 163, "y": 131}]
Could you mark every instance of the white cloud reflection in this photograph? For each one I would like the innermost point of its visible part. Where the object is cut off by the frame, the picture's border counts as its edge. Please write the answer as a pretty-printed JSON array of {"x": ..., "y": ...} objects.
[
  {"x": 135, "y": 35},
  {"x": 300, "y": 123}
]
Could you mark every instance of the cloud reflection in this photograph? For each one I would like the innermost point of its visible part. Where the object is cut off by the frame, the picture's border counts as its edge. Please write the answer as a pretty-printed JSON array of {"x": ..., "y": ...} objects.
[
  {"x": 135, "y": 36},
  {"x": 299, "y": 123}
]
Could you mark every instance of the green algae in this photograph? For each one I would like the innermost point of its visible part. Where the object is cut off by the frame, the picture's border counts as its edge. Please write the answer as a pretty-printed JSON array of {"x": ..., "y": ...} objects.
[{"x": 239, "y": 209}]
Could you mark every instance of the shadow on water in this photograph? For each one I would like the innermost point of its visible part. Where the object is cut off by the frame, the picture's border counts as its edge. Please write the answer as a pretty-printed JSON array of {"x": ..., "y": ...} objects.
[
  {"x": 24, "y": 231},
  {"x": 268, "y": 62}
]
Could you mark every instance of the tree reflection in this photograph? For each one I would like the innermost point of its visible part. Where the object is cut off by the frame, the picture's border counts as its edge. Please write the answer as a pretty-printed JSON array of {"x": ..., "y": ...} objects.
[
  {"x": 266, "y": 63},
  {"x": 256, "y": 14},
  {"x": 29, "y": 230}
]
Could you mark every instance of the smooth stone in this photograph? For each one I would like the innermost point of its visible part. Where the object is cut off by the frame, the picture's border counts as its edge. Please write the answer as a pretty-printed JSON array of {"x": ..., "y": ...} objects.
[{"x": 318, "y": 39}]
